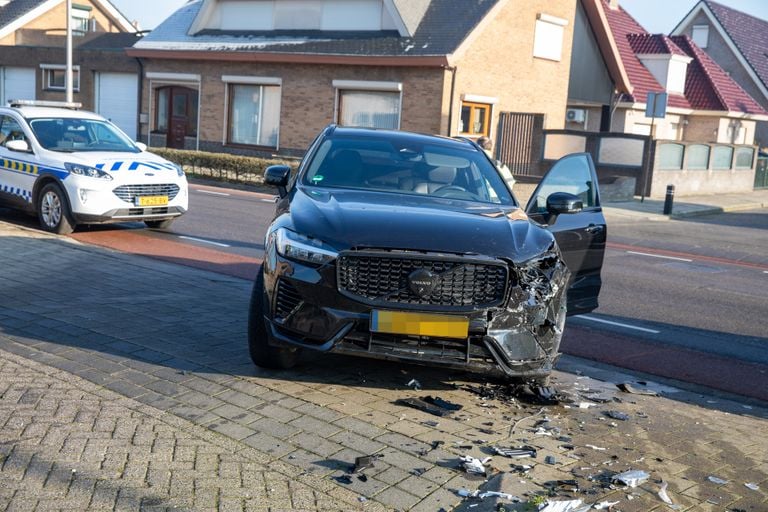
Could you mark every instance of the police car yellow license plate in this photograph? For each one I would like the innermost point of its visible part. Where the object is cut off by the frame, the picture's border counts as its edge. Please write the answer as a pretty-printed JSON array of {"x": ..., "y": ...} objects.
[
  {"x": 152, "y": 201},
  {"x": 419, "y": 324}
]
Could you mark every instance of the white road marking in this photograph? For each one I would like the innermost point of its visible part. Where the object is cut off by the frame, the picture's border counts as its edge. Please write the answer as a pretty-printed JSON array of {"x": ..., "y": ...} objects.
[
  {"x": 618, "y": 324},
  {"x": 659, "y": 256},
  {"x": 203, "y": 241},
  {"x": 212, "y": 192}
]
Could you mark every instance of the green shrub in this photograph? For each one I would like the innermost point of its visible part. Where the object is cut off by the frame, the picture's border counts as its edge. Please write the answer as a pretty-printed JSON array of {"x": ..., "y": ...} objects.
[{"x": 221, "y": 166}]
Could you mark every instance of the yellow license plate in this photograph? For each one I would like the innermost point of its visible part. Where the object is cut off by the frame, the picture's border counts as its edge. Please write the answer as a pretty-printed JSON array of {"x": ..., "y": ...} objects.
[
  {"x": 419, "y": 324},
  {"x": 152, "y": 201}
]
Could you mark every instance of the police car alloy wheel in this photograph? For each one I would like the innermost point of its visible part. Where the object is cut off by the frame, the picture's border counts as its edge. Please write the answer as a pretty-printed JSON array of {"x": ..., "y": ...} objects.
[{"x": 53, "y": 211}]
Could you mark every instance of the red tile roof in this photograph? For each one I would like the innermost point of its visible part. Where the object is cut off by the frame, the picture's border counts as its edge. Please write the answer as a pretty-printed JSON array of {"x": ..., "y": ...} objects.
[
  {"x": 707, "y": 86},
  {"x": 748, "y": 33}
]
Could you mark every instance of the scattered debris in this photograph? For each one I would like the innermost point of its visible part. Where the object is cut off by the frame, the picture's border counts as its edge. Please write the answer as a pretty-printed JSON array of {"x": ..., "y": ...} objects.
[
  {"x": 598, "y": 448},
  {"x": 430, "y": 423},
  {"x": 564, "y": 506},
  {"x": 663, "y": 493},
  {"x": 752, "y": 486},
  {"x": 604, "y": 505},
  {"x": 466, "y": 493},
  {"x": 549, "y": 459},
  {"x": 431, "y": 408},
  {"x": 516, "y": 453},
  {"x": 418, "y": 471},
  {"x": 362, "y": 499},
  {"x": 445, "y": 404},
  {"x": 413, "y": 383},
  {"x": 631, "y": 478},
  {"x": 617, "y": 415},
  {"x": 716, "y": 480},
  {"x": 564, "y": 485},
  {"x": 364, "y": 462},
  {"x": 343, "y": 479},
  {"x": 474, "y": 466},
  {"x": 628, "y": 388},
  {"x": 529, "y": 393},
  {"x": 362, "y": 477},
  {"x": 521, "y": 468}
]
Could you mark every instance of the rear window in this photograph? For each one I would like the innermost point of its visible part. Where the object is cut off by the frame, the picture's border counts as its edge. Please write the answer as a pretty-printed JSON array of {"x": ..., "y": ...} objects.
[{"x": 408, "y": 167}]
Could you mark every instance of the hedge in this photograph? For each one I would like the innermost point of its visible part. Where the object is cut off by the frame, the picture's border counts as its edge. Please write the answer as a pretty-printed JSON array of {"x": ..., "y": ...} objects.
[{"x": 221, "y": 166}]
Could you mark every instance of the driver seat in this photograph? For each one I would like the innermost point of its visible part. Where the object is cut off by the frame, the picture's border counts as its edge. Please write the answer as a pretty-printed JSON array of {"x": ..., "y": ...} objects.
[{"x": 438, "y": 177}]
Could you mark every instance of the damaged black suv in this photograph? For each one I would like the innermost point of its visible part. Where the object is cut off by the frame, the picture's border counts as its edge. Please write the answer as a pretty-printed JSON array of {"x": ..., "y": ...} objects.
[{"x": 394, "y": 245}]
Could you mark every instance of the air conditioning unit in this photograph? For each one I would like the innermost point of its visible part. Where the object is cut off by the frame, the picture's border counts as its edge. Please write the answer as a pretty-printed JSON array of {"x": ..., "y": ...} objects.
[{"x": 576, "y": 115}]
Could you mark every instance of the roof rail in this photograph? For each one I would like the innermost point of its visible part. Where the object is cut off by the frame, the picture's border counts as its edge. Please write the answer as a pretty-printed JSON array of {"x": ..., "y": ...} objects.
[{"x": 43, "y": 103}]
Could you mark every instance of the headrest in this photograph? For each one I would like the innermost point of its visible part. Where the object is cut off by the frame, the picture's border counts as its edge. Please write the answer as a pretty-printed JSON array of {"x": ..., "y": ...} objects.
[{"x": 442, "y": 175}]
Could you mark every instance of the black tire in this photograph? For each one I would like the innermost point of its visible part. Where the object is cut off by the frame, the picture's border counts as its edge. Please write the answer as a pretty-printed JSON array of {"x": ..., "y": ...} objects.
[
  {"x": 262, "y": 353},
  {"x": 159, "y": 224},
  {"x": 53, "y": 210}
]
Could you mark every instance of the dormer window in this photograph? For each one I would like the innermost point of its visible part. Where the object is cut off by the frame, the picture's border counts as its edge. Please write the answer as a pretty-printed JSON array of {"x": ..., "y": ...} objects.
[
  {"x": 669, "y": 70},
  {"x": 81, "y": 19},
  {"x": 700, "y": 35}
]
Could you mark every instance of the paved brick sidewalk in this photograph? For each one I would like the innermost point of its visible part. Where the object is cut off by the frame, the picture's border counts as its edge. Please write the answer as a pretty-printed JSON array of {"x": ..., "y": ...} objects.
[
  {"x": 162, "y": 344},
  {"x": 67, "y": 444}
]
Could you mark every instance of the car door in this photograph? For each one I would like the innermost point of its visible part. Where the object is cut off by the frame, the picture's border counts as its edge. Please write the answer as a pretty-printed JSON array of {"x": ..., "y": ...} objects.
[
  {"x": 580, "y": 235},
  {"x": 17, "y": 175}
]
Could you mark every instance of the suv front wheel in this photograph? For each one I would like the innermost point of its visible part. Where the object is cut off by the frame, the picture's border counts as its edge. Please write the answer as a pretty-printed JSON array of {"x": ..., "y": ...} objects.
[
  {"x": 53, "y": 210},
  {"x": 262, "y": 353}
]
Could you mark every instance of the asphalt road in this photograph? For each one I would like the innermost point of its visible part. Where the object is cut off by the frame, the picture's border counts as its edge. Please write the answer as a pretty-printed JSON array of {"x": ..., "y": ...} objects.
[{"x": 684, "y": 291}]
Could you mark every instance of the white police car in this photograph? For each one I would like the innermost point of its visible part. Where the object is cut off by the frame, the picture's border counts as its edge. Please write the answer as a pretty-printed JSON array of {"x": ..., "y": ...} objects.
[{"x": 74, "y": 167}]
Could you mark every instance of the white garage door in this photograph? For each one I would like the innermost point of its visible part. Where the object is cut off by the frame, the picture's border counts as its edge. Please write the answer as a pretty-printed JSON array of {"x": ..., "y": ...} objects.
[
  {"x": 16, "y": 84},
  {"x": 117, "y": 99}
]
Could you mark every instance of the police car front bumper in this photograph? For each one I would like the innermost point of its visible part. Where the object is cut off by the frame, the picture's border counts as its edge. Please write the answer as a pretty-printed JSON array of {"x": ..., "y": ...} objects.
[{"x": 131, "y": 214}]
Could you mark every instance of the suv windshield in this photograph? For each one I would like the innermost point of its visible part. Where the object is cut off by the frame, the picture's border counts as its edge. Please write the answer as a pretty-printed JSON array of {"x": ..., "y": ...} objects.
[
  {"x": 69, "y": 135},
  {"x": 408, "y": 167}
]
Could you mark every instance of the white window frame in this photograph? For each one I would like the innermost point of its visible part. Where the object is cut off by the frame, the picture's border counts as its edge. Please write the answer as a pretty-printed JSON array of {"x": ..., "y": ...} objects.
[
  {"x": 230, "y": 80},
  {"x": 548, "y": 37},
  {"x": 703, "y": 31},
  {"x": 368, "y": 86},
  {"x": 47, "y": 74}
]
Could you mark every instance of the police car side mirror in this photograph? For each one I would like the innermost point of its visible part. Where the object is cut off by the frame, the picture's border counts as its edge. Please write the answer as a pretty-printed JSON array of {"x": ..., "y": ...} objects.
[
  {"x": 18, "y": 145},
  {"x": 142, "y": 147}
]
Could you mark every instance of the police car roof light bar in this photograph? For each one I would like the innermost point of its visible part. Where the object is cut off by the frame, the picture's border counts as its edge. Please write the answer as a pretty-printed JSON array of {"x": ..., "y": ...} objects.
[{"x": 43, "y": 103}]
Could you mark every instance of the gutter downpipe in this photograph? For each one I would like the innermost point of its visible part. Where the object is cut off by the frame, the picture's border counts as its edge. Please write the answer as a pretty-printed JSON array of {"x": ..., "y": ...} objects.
[
  {"x": 141, "y": 96},
  {"x": 452, "y": 69}
]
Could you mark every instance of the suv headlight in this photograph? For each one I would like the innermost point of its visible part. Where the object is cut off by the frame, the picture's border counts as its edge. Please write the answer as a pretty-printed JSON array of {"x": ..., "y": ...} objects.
[
  {"x": 300, "y": 247},
  {"x": 86, "y": 170}
]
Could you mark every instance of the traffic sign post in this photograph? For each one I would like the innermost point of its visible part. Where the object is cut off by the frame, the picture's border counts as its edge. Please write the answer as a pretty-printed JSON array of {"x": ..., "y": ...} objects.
[{"x": 655, "y": 106}]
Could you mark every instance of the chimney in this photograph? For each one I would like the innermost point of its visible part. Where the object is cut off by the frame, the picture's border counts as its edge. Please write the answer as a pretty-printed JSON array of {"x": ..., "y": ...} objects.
[{"x": 613, "y": 4}]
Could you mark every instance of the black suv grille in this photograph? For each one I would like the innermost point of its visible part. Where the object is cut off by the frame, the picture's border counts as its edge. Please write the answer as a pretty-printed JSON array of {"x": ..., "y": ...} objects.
[
  {"x": 383, "y": 280},
  {"x": 128, "y": 193}
]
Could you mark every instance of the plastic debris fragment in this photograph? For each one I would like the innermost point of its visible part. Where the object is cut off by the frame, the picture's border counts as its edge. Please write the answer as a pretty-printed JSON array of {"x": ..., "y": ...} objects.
[
  {"x": 631, "y": 478},
  {"x": 364, "y": 462},
  {"x": 752, "y": 486},
  {"x": 549, "y": 459},
  {"x": 466, "y": 493},
  {"x": 564, "y": 506},
  {"x": 617, "y": 415},
  {"x": 423, "y": 405},
  {"x": 413, "y": 383},
  {"x": 604, "y": 505},
  {"x": 628, "y": 388},
  {"x": 439, "y": 402},
  {"x": 343, "y": 479},
  {"x": 598, "y": 448},
  {"x": 516, "y": 453},
  {"x": 474, "y": 466},
  {"x": 716, "y": 480},
  {"x": 663, "y": 494}
]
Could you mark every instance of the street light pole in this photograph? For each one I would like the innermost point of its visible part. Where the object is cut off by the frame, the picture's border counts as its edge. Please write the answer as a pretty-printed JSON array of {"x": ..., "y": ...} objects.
[{"x": 68, "y": 73}]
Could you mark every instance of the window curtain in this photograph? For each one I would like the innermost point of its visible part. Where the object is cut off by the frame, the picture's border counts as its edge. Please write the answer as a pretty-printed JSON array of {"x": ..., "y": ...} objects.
[{"x": 370, "y": 109}]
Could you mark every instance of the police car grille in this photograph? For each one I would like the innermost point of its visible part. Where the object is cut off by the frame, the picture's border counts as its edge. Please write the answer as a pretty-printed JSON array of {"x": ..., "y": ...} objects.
[
  {"x": 129, "y": 193},
  {"x": 383, "y": 281}
]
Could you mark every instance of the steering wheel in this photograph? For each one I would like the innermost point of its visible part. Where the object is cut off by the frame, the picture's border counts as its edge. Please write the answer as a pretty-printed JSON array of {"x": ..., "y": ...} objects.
[{"x": 453, "y": 192}]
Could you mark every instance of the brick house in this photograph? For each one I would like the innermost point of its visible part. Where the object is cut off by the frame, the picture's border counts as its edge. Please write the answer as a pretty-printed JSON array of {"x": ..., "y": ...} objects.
[
  {"x": 256, "y": 77},
  {"x": 705, "y": 104},
  {"x": 33, "y": 56},
  {"x": 738, "y": 42}
]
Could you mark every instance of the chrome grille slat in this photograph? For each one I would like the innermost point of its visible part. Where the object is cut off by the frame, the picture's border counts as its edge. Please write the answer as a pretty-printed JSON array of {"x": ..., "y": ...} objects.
[
  {"x": 383, "y": 280},
  {"x": 129, "y": 193}
]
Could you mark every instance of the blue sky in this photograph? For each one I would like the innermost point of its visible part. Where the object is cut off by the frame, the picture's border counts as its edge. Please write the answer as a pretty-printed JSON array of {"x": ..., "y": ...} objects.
[{"x": 655, "y": 15}]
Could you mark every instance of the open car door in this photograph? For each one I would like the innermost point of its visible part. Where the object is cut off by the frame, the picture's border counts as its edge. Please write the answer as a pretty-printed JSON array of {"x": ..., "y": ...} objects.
[{"x": 567, "y": 203}]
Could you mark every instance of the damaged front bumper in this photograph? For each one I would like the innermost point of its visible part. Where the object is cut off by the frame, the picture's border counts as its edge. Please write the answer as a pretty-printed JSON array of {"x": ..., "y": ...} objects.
[{"x": 519, "y": 338}]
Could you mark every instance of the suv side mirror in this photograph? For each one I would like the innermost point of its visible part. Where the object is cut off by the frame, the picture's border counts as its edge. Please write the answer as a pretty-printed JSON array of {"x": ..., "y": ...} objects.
[
  {"x": 18, "y": 145},
  {"x": 563, "y": 202},
  {"x": 277, "y": 176}
]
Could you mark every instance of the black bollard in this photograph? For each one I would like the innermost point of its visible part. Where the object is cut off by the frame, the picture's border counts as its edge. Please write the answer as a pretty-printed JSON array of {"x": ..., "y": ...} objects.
[{"x": 669, "y": 199}]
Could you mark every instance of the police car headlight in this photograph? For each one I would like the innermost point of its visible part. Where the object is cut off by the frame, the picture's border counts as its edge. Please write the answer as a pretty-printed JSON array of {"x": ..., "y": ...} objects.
[
  {"x": 85, "y": 170},
  {"x": 179, "y": 170}
]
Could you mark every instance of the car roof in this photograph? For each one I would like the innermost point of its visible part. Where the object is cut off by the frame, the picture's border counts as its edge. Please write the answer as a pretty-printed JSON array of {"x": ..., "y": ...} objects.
[
  {"x": 400, "y": 136},
  {"x": 32, "y": 112}
]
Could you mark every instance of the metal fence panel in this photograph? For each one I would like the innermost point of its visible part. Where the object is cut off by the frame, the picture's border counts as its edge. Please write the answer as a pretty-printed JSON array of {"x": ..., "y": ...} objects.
[{"x": 519, "y": 142}]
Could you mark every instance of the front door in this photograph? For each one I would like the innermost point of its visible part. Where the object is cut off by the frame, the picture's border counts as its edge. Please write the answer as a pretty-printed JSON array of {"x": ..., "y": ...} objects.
[
  {"x": 580, "y": 235},
  {"x": 179, "y": 118},
  {"x": 177, "y": 114}
]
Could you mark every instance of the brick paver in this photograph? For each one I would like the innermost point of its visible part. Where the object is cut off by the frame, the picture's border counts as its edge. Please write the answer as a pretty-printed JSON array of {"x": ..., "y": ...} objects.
[{"x": 142, "y": 368}]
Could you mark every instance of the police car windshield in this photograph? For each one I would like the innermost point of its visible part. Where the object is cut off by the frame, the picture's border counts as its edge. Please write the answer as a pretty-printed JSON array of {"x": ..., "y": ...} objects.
[{"x": 69, "y": 135}]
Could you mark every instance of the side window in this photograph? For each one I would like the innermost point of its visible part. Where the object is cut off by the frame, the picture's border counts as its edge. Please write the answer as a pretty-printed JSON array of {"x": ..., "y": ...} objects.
[
  {"x": 10, "y": 129},
  {"x": 572, "y": 174}
]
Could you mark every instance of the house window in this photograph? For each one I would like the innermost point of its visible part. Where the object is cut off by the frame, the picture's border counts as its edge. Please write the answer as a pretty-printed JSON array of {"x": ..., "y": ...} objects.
[
  {"x": 548, "y": 37},
  {"x": 54, "y": 77},
  {"x": 475, "y": 119},
  {"x": 700, "y": 35},
  {"x": 368, "y": 104},
  {"x": 254, "y": 114},
  {"x": 81, "y": 19}
]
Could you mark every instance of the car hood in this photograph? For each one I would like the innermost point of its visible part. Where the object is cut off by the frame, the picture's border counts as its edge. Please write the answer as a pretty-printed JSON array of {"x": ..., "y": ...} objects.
[
  {"x": 118, "y": 161},
  {"x": 361, "y": 219}
]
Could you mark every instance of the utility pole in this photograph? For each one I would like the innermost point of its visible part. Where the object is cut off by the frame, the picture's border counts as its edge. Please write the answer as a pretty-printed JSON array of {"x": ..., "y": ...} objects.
[{"x": 68, "y": 73}]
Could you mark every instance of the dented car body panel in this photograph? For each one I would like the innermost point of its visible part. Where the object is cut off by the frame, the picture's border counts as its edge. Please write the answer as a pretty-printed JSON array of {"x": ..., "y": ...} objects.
[{"x": 382, "y": 268}]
